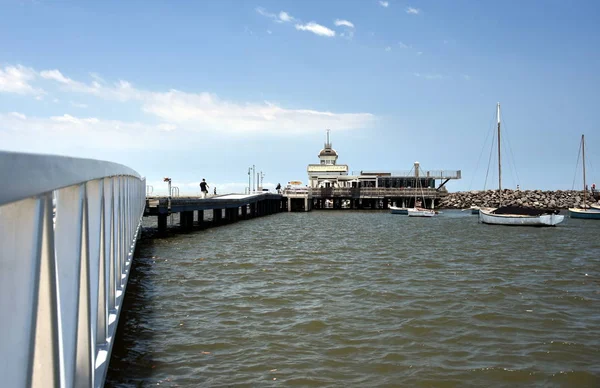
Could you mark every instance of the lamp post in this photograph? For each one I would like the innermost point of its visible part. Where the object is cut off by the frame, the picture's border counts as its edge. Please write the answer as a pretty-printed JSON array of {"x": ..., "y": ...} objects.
[
  {"x": 249, "y": 171},
  {"x": 262, "y": 175}
]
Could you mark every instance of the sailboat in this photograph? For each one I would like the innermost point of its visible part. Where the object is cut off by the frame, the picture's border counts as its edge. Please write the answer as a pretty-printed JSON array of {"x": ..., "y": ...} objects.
[
  {"x": 586, "y": 212},
  {"x": 399, "y": 210},
  {"x": 419, "y": 211},
  {"x": 516, "y": 215}
]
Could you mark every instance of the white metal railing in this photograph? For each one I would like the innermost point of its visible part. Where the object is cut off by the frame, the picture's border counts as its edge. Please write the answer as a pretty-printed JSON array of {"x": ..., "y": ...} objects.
[
  {"x": 62, "y": 283},
  {"x": 435, "y": 174}
]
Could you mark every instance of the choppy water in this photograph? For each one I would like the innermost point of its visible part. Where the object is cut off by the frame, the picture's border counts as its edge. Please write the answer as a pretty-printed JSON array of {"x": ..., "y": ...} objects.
[{"x": 364, "y": 299}]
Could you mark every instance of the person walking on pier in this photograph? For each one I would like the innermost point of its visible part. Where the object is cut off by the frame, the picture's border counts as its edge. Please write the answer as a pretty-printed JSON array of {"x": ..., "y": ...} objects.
[
  {"x": 278, "y": 188},
  {"x": 204, "y": 188},
  {"x": 215, "y": 191}
]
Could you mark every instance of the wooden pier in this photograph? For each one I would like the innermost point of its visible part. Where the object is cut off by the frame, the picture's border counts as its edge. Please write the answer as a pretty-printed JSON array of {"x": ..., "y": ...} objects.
[
  {"x": 306, "y": 199},
  {"x": 225, "y": 208}
]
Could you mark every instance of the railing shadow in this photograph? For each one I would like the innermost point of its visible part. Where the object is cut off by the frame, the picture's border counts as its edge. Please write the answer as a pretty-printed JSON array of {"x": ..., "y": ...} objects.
[{"x": 131, "y": 363}]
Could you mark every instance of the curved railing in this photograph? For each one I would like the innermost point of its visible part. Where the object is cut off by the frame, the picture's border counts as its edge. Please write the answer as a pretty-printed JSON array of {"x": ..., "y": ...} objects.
[{"x": 68, "y": 229}]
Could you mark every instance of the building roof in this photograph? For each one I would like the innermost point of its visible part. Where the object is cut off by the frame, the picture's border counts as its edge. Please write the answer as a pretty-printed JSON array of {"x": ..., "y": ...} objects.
[{"x": 328, "y": 152}]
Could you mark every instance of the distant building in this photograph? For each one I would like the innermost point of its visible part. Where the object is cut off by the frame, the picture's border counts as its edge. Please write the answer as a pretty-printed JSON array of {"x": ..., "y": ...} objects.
[{"x": 328, "y": 174}]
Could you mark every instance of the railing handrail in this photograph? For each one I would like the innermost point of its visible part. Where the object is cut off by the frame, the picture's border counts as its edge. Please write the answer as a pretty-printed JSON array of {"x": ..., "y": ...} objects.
[
  {"x": 27, "y": 175},
  {"x": 67, "y": 239}
]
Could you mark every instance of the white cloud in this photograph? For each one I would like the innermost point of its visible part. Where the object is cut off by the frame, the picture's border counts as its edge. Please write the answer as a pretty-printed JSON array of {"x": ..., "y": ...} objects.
[
  {"x": 18, "y": 115},
  {"x": 466, "y": 77},
  {"x": 263, "y": 12},
  {"x": 346, "y": 23},
  {"x": 269, "y": 32},
  {"x": 16, "y": 79},
  {"x": 167, "y": 127},
  {"x": 285, "y": 17},
  {"x": 404, "y": 45},
  {"x": 413, "y": 11},
  {"x": 316, "y": 29},
  {"x": 384, "y": 4},
  {"x": 388, "y": 48},
  {"x": 70, "y": 84},
  {"x": 76, "y": 136},
  {"x": 430, "y": 76},
  {"x": 206, "y": 112},
  {"x": 74, "y": 120},
  {"x": 419, "y": 52},
  {"x": 78, "y": 105},
  {"x": 282, "y": 17}
]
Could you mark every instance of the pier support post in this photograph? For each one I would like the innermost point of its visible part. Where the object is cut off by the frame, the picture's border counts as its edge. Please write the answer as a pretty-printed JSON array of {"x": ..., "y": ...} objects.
[
  {"x": 253, "y": 210},
  {"x": 244, "y": 212},
  {"x": 186, "y": 220},
  {"x": 200, "y": 218},
  {"x": 162, "y": 223},
  {"x": 231, "y": 214},
  {"x": 217, "y": 216}
]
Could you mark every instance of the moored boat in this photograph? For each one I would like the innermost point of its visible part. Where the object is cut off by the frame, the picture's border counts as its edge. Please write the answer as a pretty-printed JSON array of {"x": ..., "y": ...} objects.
[
  {"x": 417, "y": 210},
  {"x": 591, "y": 212},
  {"x": 399, "y": 210},
  {"x": 516, "y": 215},
  {"x": 420, "y": 212},
  {"x": 520, "y": 216}
]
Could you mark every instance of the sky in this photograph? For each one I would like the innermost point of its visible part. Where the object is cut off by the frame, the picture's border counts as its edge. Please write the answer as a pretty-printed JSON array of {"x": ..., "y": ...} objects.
[{"x": 207, "y": 89}]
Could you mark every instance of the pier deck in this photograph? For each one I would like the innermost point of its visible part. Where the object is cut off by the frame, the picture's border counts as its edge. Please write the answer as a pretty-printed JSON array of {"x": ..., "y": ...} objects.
[{"x": 226, "y": 208}]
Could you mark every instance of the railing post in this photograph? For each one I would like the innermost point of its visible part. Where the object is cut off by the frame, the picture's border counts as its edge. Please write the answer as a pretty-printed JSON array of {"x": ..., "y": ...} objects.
[{"x": 62, "y": 278}]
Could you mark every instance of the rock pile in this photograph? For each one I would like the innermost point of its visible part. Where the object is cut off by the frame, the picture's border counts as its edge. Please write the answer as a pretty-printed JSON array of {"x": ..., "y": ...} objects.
[{"x": 529, "y": 198}]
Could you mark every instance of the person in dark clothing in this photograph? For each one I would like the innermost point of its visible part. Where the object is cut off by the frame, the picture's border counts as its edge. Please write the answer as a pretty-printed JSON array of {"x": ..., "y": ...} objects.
[
  {"x": 215, "y": 191},
  {"x": 204, "y": 188},
  {"x": 278, "y": 188}
]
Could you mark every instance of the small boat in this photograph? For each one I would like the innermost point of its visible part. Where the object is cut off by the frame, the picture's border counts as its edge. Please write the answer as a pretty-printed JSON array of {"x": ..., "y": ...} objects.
[
  {"x": 516, "y": 215},
  {"x": 420, "y": 212},
  {"x": 520, "y": 216},
  {"x": 399, "y": 210},
  {"x": 476, "y": 209},
  {"x": 591, "y": 212},
  {"x": 417, "y": 210}
]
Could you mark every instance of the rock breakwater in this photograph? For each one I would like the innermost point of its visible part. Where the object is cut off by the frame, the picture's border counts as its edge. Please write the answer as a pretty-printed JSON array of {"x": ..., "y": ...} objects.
[{"x": 537, "y": 199}]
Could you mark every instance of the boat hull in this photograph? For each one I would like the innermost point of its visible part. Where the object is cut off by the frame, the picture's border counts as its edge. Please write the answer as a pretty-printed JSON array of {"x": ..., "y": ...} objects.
[
  {"x": 399, "y": 210},
  {"x": 420, "y": 213},
  {"x": 588, "y": 214},
  {"x": 487, "y": 217},
  {"x": 475, "y": 209}
]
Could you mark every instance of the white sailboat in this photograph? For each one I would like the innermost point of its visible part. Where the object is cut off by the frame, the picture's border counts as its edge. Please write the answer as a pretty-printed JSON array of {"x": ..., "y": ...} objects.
[
  {"x": 419, "y": 211},
  {"x": 399, "y": 210},
  {"x": 516, "y": 215},
  {"x": 587, "y": 212}
]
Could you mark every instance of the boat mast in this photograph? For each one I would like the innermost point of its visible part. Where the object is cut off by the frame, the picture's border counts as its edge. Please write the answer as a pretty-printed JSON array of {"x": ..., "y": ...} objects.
[
  {"x": 499, "y": 160},
  {"x": 583, "y": 157},
  {"x": 417, "y": 185}
]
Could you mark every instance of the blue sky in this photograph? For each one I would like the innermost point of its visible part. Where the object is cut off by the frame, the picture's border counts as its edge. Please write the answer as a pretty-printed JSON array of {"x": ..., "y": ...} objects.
[{"x": 205, "y": 89}]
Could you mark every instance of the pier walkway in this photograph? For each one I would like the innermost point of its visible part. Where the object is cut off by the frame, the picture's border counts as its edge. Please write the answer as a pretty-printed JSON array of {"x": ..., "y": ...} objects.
[{"x": 225, "y": 208}]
